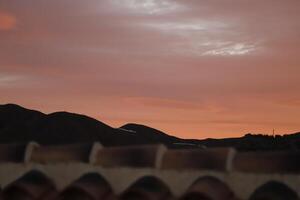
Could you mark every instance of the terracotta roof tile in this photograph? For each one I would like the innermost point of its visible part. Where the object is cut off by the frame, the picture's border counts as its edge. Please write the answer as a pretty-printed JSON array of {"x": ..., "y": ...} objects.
[
  {"x": 90, "y": 186},
  {"x": 149, "y": 187},
  {"x": 209, "y": 188},
  {"x": 62, "y": 153},
  {"x": 274, "y": 190},
  {"x": 267, "y": 162},
  {"x": 32, "y": 185},
  {"x": 12, "y": 152},
  {"x": 150, "y": 172},
  {"x": 133, "y": 156},
  {"x": 210, "y": 159}
]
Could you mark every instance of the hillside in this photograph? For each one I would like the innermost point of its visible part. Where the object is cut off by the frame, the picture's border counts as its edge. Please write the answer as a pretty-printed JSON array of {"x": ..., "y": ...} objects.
[{"x": 20, "y": 125}]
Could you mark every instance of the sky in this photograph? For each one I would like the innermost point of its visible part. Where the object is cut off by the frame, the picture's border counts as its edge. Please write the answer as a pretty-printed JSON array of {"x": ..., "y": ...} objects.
[{"x": 191, "y": 68}]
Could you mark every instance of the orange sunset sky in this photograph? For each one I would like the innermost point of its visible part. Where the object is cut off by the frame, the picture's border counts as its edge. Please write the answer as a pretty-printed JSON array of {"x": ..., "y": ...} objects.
[{"x": 191, "y": 68}]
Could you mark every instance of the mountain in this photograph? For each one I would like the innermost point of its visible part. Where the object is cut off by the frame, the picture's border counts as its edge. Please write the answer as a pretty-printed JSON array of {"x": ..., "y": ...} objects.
[
  {"x": 20, "y": 125},
  {"x": 12, "y": 115}
]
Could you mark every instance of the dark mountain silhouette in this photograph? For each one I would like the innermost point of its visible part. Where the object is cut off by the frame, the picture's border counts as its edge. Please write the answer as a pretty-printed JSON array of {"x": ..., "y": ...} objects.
[
  {"x": 20, "y": 125},
  {"x": 12, "y": 115}
]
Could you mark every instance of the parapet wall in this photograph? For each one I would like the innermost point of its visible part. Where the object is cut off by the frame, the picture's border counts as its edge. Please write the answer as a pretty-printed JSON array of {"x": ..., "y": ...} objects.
[{"x": 220, "y": 173}]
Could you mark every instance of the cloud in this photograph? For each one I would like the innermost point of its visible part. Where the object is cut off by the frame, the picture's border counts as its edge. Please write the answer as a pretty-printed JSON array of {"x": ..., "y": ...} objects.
[
  {"x": 149, "y": 6},
  {"x": 8, "y": 78},
  {"x": 235, "y": 49},
  {"x": 11, "y": 80}
]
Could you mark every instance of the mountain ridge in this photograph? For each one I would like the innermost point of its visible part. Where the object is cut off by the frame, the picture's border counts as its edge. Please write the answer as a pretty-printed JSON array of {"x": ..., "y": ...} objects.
[{"x": 21, "y": 125}]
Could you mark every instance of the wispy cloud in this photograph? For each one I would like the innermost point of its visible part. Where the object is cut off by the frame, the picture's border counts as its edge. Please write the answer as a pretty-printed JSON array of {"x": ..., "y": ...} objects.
[
  {"x": 10, "y": 80},
  {"x": 152, "y": 7},
  {"x": 231, "y": 50}
]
